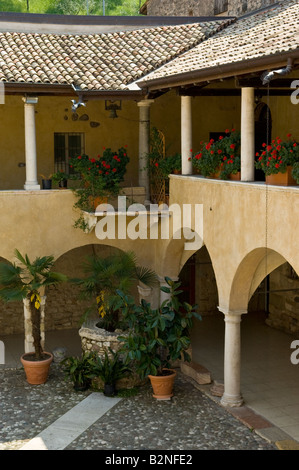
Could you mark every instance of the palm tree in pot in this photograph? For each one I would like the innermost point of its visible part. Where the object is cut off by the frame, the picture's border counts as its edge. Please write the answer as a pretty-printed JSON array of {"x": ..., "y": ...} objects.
[
  {"x": 26, "y": 279},
  {"x": 104, "y": 277}
]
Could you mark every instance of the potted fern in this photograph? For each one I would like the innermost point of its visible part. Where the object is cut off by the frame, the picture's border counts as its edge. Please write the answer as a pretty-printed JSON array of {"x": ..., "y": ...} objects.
[{"x": 26, "y": 279}]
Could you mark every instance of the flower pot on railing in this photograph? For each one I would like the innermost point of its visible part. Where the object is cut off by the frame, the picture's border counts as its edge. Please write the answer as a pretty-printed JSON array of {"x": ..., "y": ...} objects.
[
  {"x": 46, "y": 184},
  {"x": 282, "y": 179},
  {"x": 235, "y": 176}
]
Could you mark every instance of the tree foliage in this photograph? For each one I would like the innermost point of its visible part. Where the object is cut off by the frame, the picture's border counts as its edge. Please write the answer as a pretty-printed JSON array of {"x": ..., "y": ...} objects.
[{"x": 73, "y": 7}]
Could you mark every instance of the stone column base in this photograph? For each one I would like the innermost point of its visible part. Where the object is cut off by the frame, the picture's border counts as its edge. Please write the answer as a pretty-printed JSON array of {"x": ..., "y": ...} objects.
[{"x": 231, "y": 401}]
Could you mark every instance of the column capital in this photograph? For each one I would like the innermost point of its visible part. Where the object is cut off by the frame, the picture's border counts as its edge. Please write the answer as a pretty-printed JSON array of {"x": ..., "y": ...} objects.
[
  {"x": 232, "y": 313},
  {"x": 145, "y": 102},
  {"x": 30, "y": 99}
]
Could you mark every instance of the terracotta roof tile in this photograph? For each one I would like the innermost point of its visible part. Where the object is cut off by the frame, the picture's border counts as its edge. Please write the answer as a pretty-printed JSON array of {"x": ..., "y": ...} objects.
[
  {"x": 108, "y": 61},
  {"x": 267, "y": 32}
]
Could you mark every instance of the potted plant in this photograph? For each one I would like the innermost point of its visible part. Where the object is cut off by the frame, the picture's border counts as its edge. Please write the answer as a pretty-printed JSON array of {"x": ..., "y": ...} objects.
[
  {"x": 60, "y": 178},
  {"x": 104, "y": 277},
  {"x": 157, "y": 338},
  {"x": 219, "y": 158},
  {"x": 171, "y": 164},
  {"x": 80, "y": 370},
  {"x": 26, "y": 280},
  {"x": 46, "y": 182},
  {"x": 277, "y": 160},
  {"x": 110, "y": 369}
]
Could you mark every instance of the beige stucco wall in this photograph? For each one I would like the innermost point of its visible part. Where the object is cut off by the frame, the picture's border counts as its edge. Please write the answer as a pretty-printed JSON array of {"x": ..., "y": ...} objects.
[{"x": 249, "y": 230}]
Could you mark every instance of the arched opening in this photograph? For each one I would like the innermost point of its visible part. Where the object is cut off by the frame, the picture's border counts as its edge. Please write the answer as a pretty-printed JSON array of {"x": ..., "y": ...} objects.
[
  {"x": 267, "y": 372},
  {"x": 200, "y": 288},
  {"x": 64, "y": 309},
  {"x": 11, "y": 315},
  {"x": 263, "y": 132}
]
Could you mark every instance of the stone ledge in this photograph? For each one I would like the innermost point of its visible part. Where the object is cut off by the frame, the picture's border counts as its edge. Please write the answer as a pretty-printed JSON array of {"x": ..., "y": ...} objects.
[{"x": 197, "y": 372}]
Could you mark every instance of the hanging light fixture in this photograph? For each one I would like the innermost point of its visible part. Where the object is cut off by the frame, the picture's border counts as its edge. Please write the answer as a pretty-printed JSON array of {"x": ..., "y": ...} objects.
[{"x": 112, "y": 106}]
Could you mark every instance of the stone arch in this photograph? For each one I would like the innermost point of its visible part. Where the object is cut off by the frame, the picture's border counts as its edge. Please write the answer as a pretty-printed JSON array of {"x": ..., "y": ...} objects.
[
  {"x": 178, "y": 250},
  {"x": 64, "y": 309},
  {"x": 254, "y": 267}
]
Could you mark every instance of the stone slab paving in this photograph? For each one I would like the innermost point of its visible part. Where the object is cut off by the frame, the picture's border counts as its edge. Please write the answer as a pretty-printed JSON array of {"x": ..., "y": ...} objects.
[
  {"x": 72, "y": 424},
  {"x": 190, "y": 421}
]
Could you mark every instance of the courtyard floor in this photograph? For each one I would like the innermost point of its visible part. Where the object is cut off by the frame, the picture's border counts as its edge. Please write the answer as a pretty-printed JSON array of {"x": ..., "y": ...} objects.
[{"x": 192, "y": 420}]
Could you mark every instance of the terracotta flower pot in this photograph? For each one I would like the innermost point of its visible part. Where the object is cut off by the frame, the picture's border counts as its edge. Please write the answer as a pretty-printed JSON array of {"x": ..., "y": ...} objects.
[
  {"x": 36, "y": 371},
  {"x": 163, "y": 385},
  {"x": 282, "y": 179},
  {"x": 235, "y": 177}
]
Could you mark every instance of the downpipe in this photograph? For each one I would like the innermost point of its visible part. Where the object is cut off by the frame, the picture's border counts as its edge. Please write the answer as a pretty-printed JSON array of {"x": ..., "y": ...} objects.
[{"x": 268, "y": 76}]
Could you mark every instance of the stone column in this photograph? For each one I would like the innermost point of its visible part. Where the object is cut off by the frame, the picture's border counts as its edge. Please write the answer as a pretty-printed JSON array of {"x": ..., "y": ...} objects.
[
  {"x": 29, "y": 347},
  {"x": 30, "y": 144},
  {"x": 232, "y": 359},
  {"x": 247, "y": 134},
  {"x": 144, "y": 145},
  {"x": 186, "y": 134}
]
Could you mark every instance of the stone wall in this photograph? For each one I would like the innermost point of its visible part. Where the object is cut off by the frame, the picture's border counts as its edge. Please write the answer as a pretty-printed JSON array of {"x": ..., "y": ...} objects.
[
  {"x": 284, "y": 305},
  {"x": 239, "y": 7},
  {"x": 200, "y": 8},
  {"x": 179, "y": 8},
  {"x": 64, "y": 309}
]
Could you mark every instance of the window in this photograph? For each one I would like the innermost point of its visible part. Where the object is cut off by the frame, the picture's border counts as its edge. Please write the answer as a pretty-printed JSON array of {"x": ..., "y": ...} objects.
[
  {"x": 220, "y": 6},
  {"x": 67, "y": 145}
]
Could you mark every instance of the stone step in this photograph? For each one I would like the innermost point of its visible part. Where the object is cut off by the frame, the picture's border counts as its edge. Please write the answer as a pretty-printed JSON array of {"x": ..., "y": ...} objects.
[{"x": 197, "y": 372}]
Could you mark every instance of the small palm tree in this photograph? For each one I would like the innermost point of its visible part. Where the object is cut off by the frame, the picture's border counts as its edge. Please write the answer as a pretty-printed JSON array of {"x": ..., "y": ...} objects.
[
  {"x": 25, "y": 279},
  {"x": 105, "y": 276}
]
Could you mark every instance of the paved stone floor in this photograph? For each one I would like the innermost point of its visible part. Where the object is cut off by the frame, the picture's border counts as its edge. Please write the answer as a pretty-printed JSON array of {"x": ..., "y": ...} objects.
[{"x": 190, "y": 421}]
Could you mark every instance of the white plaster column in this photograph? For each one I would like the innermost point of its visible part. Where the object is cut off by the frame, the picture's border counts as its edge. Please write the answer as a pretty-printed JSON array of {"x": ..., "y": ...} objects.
[
  {"x": 28, "y": 344},
  {"x": 144, "y": 145},
  {"x": 247, "y": 134},
  {"x": 186, "y": 134},
  {"x": 232, "y": 359},
  {"x": 30, "y": 144},
  {"x": 164, "y": 295}
]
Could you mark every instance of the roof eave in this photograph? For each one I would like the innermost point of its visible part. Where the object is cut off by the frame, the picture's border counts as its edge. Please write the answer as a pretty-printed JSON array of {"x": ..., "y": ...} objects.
[
  {"x": 18, "y": 88},
  {"x": 220, "y": 71}
]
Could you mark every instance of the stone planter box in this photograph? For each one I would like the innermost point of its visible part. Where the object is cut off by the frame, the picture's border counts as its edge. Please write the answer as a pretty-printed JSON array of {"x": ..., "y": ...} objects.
[{"x": 99, "y": 340}]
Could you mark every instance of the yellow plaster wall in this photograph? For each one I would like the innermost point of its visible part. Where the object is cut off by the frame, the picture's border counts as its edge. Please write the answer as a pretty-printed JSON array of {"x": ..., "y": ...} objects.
[
  {"x": 210, "y": 114},
  {"x": 50, "y": 118}
]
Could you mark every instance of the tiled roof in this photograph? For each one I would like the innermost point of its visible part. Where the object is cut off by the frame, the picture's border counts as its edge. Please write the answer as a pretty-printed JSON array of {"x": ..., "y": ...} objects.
[
  {"x": 108, "y": 61},
  {"x": 271, "y": 31}
]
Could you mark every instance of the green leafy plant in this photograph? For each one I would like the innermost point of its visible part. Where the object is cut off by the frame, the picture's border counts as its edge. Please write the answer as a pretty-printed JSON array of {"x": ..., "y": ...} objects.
[
  {"x": 25, "y": 280},
  {"x": 110, "y": 369},
  {"x": 80, "y": 370},
  {"x": 222, "y": 155},
  {"x": 170, "y": 164},
  {"x": 295, "y": 172},
  {"x": 104, "y": 277},
  {"x": 157, "y": 337},
  {"x": 97, "y": 178},
  {"x": 276, "y": 157},
  {"x": 60, "y": 176}
]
